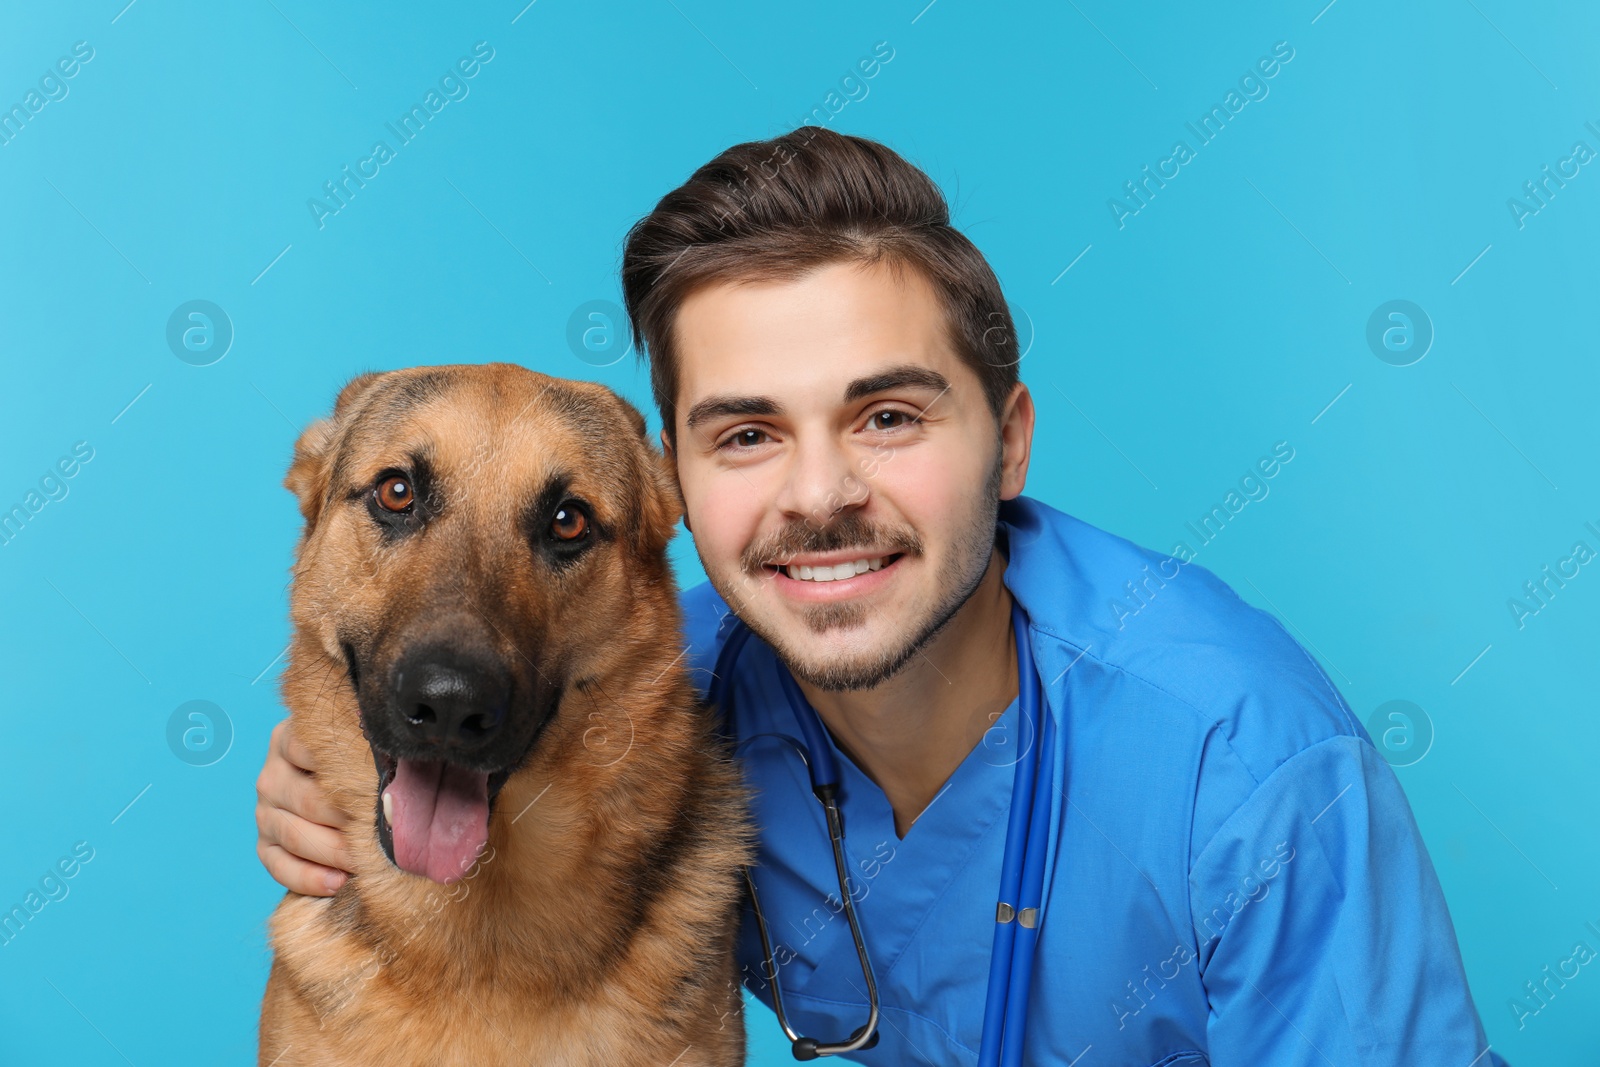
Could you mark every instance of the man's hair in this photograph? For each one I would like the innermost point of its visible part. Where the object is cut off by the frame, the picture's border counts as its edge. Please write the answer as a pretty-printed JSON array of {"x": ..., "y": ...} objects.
[{"x": 775, "y": 209}]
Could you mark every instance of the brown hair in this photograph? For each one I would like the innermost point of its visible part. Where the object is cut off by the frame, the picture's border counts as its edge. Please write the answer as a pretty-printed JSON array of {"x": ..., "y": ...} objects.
[{"x": 775, "y": 209}]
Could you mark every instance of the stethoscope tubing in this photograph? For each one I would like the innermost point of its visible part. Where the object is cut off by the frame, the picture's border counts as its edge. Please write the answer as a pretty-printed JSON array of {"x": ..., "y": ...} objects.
[
  {"x": 1021, "y": 881},
  {"x": 1018, "y": 912},
  {"x": 1031, "y": 901}
]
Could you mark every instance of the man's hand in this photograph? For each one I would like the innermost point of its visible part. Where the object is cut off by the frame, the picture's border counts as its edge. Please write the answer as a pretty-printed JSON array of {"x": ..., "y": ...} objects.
[{"x": 301, "y": 835}]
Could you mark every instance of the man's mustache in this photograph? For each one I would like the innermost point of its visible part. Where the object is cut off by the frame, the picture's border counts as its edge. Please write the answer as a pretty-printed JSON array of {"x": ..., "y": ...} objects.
[{"x": 848, "y": 531}]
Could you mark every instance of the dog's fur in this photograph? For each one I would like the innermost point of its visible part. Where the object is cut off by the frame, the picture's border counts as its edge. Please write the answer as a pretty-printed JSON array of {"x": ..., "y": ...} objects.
[{"x": 597, "y": 926}]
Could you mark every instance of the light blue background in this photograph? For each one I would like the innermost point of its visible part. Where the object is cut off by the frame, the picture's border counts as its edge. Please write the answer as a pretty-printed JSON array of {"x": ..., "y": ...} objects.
[{"x": 1224, "y": 317}]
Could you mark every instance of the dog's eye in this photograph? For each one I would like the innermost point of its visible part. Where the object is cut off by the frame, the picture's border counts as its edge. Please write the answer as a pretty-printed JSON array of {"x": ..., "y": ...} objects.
[
  {"x": 569, "y": 524},
  {"x": 394, "y": 493}
]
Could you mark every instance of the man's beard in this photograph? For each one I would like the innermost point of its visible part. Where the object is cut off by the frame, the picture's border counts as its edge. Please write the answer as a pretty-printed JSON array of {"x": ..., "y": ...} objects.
[{"x": 960, "y": 578}]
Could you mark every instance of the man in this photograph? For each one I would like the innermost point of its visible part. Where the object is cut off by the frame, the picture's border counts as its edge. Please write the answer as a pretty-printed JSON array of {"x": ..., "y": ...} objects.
[{"x": 1231, "y": 873}]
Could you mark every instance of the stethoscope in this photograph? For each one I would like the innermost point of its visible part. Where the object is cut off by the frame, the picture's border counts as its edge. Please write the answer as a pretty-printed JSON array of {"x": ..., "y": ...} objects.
[{"x": 1017, "y": 915}]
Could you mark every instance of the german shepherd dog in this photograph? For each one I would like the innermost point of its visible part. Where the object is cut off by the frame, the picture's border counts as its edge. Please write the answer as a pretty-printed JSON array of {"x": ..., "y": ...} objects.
[{"x": 486, "y": 663}]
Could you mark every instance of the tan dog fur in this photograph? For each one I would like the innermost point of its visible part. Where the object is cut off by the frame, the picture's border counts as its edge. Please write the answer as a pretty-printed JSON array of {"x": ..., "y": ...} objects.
[{"x": 597, "y": 926}]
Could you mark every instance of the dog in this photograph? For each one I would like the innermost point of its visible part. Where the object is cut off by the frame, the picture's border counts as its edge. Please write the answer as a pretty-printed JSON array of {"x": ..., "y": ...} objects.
[{"x": 486, "y": 662}]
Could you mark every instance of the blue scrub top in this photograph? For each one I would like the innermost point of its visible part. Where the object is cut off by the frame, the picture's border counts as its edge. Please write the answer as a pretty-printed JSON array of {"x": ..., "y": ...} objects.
[{"x": 1236, "y": 876}]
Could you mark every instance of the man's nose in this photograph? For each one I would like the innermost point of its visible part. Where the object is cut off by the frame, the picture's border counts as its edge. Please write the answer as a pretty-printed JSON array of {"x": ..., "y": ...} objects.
[{"x": 822, "y": 480}]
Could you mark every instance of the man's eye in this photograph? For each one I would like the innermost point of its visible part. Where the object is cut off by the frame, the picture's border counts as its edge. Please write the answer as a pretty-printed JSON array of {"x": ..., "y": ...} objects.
[
  {"x": 743, "y": 439},
  {"x": 888, "y": 419}
]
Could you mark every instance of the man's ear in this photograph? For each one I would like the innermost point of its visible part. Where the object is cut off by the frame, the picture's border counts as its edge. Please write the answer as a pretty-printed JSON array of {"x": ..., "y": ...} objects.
[{"x": 308, "y": 473}]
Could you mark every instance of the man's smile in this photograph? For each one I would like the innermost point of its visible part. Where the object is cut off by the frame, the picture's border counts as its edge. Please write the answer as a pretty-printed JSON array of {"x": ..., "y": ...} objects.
[{"x": 835, "y": 575}]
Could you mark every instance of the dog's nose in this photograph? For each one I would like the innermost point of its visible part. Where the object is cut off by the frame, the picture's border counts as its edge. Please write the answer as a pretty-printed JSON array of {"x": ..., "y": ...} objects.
[{"x": 451, "y": 700}]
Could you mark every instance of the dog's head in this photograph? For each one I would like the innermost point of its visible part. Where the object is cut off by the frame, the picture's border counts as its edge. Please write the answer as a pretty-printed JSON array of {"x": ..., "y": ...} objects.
[{"x": 474, "y": 535}]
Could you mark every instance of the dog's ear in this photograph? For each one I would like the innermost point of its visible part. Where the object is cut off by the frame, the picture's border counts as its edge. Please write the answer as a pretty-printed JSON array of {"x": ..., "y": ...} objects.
[
  {"x": 668, "y": 501},
  {"x": 660, "y": 502},
  {"x": 309, "y": 471}
]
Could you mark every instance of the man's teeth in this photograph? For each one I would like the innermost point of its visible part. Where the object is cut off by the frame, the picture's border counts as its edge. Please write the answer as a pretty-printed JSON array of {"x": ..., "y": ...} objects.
[
  {"x": 836, "y": 573},
  {"x": 388, "y": 809}
]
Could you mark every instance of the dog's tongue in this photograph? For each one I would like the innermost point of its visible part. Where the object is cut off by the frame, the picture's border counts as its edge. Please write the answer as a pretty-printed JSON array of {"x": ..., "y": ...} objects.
[{"x": 440, "y": 818}]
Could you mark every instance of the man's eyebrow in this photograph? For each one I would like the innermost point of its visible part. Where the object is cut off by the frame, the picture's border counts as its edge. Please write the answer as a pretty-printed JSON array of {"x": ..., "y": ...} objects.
[
  {"x": 906, "y": 375},
  {"x": 900, "y": 377},
  {"x": 720, "y": 407}
]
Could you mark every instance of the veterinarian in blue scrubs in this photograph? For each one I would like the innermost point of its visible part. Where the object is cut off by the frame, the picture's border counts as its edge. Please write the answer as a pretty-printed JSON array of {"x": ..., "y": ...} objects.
[
  {"x": 1233, "y": 876},
  {"x": 1227, "y": 869}
]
